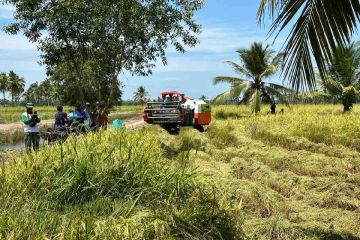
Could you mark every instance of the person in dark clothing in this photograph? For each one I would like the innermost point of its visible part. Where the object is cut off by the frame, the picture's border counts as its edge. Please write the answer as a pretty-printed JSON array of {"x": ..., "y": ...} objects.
[
  {"x": 60, "y": 119},
  {"x": 273, "y": 108}
]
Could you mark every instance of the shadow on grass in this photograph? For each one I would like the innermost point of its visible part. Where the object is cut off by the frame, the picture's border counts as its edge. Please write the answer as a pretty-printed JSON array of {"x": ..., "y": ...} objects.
[{"x": 329, "y": 234}]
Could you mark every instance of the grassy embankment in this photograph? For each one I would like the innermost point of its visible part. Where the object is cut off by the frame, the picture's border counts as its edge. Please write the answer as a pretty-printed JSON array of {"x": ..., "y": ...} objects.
[
  {"x": 12, "y": 114},
  {"x": 291, "y": 176}
]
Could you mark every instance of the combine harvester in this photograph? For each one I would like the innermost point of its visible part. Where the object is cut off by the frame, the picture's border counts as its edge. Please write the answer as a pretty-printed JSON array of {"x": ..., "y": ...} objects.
[{"x": 174, "y": 110}]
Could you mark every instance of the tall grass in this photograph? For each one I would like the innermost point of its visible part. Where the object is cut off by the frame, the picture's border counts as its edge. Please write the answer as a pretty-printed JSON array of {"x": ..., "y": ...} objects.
[{"x": 109, "y": 185}]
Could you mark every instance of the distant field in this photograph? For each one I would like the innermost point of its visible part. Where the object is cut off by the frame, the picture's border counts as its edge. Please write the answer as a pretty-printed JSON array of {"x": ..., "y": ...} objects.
[
  {"x": 12, "y": 114},
  {"x": 289, "y": 176}
]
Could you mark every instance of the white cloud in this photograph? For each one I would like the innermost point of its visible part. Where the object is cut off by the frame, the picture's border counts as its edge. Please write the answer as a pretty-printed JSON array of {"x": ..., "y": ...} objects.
[
  {"x": 6, "y": 11},
  {"x": 191, "y": 64},
  {"x": 15, "y": 42},
  {"x": 217, "y": 44},
  {"x": 225, "y": 39}
]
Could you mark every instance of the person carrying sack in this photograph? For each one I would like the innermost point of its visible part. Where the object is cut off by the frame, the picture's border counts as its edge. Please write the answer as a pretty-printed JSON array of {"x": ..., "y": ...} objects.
[{"x": 31, "y": 122}]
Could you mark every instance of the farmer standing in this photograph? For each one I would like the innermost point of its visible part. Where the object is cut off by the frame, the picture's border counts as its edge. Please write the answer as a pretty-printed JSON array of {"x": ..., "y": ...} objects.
[{"x": 31, "y": 122}]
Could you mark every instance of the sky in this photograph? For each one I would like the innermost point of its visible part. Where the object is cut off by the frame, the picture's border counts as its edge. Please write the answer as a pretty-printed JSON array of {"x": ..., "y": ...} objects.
[{"x": 227, "y": 25}]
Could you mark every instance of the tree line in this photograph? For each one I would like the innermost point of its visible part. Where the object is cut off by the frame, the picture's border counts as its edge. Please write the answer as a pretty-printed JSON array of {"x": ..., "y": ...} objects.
[{"x": 340, "y": 84}]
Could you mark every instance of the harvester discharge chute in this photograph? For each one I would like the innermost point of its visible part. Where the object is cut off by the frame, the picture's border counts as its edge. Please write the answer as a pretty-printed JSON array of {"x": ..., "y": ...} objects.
[{"x": 174, "y": 110}]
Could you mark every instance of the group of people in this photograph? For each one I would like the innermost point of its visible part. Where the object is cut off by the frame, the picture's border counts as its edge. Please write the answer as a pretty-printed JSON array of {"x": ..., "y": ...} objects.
[
  {"x": 96, "y": 117},
  {"x": 170, "y": 98},
  {"x": 85, "y": 117}
]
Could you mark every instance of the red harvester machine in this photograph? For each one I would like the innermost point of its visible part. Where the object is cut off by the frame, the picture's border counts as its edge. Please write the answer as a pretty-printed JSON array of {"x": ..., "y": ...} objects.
[{"x": 174, "y": 110}]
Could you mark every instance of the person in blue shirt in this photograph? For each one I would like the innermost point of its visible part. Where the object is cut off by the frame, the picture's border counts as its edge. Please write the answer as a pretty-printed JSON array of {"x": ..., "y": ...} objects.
[{"x": 78, "y": 115}]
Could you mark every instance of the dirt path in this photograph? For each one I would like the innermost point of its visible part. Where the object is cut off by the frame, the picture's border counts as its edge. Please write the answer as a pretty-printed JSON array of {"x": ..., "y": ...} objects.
[
  {"x": 12, "y": 127},
  {"x": 134, "y": 123}
]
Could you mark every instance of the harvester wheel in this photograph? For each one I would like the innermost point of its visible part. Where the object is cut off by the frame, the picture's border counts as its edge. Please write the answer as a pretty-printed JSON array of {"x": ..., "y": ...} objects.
[
  {"x": 172, "y": 129},
  {"x": 199, "y": 128}
]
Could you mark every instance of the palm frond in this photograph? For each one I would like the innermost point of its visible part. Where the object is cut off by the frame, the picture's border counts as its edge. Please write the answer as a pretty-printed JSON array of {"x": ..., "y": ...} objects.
[
  {"x": 233, "y": 94},
  {"x": 271, "y": 69},
  {"x": 275, "y": 93},
  {"x": 246, "y": 98},
  {"x": 223, "y": 97},
  {"x": 271, "y": 6},
  {"x": 321, "y": 95},
  {"x": 331, "y": 86},
  {"x": 239, "y": 69},
  {"x": 278, "y": 59},
  {"x": 237, "y": 90},
  {"x": 281, "y": 88},
  {"x": 320, "y": 27},
  {"x": 230, "y": 80}
]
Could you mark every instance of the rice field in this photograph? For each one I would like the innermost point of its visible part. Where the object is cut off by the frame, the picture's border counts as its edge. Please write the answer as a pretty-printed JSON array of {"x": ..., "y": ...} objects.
[{"x": 287, "y": 176}]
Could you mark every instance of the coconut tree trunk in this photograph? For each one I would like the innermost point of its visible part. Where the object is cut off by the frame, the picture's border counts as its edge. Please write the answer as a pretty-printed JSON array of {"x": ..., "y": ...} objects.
[
  {"x": 347, "y": 103},
  {"x": 347, "y": 107}
]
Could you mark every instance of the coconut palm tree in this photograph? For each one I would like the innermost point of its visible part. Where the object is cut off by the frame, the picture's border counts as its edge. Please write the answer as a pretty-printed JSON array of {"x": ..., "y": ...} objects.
[
  {"x": 30, "y": 94},
  {"x": 16, "y": 85},
  {"x": 319, "y": 27},
  {"x": 46, "y": 90},
  {"x": 343, "y": 79},
  {"x": 256, "y": 64},
  {"x": 140, "y": 95},
  {"x": 4, "y": 83}
]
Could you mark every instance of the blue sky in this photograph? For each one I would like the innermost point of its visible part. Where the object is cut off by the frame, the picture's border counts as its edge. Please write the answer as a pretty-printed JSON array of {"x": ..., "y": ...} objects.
[{"x": 227, "y": 25}]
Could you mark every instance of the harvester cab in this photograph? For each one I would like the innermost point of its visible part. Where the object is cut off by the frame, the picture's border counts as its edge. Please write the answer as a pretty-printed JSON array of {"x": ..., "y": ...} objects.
[{"x": 174, "y": 110}]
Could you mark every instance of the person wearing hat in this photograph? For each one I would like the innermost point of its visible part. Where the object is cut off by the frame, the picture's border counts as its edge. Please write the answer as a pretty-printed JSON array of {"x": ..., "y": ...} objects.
[{"x": 31, "y": 122}]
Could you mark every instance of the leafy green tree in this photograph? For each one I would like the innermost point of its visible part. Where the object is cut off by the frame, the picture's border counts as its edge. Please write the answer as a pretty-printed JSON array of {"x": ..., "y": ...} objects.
[
  {"x": 97, "y": 40},
  {"x": 31, "y": 93},
  {"x": 319, "y": 27},
  {"x": 16, "y": 85},
  {"x": 203, "y": 97},
  {"x": 343, "y": 79},
  {"x": 140, "y": 96},
  {"x": 4, "y": 84},
  {"x": 256, "y": 64}
]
